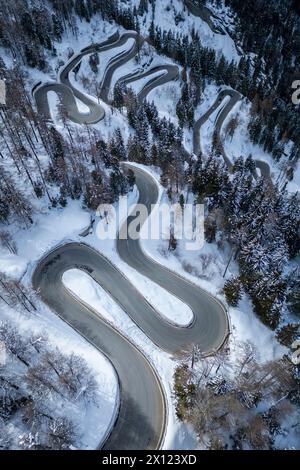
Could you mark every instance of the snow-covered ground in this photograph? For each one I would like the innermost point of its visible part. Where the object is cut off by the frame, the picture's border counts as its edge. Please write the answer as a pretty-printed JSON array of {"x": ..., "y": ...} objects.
[
  {"x": 85, "y": 72},
  {"x": 50, "y": 229},
  {"x": 165, "y": 13},
  {"x": 209, "y": 96},
  {"x": 61, "y": 225},
  {"x": 169, "y": 307},
  {"x": 165, "y": 98},
  {"x": 241, "y": 145},
  {"x": 207, "y": 130},
  {"x": 205, "y": 268},
  {"x": 244, "y": 325},
  {"x": 95, "y": 419},
  {"x": 146, "y": 59},
  {"x": 178, "y": 435}
]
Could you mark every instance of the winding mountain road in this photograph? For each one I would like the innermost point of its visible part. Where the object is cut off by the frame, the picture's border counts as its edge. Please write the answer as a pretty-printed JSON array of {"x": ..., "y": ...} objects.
[
  {"x": 234, "y": 98},
  {"x": 225, "y": 109},
  {"x": 68, "y": 93},
  {"x": 142, "y": 409},
  {"x": 168, "y": 72},
  {"x": 205, "y": 14},
  {"x": 140, "y": 422}
]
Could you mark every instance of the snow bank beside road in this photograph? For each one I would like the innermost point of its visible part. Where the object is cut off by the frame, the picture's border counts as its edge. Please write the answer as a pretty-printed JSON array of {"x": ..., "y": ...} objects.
[
  {"x": 178, "y": 435},
  {"x": 94, "y": 419},
  {"x": 205, "y": 268},
  {"x": 92, "y": 293},
  {"x": 49, "y": 229}
]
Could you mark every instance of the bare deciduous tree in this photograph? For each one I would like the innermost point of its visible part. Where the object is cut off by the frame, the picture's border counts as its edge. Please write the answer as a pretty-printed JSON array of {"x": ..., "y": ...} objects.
[
  {"x": 7, "y": 241},
  {"x": 226, "y": 401}
]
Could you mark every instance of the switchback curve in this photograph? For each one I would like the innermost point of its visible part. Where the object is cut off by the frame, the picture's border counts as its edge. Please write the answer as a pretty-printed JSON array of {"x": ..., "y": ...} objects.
[
  {"x": 141, "y": 418},
  {"x": 68, "y": 93}
]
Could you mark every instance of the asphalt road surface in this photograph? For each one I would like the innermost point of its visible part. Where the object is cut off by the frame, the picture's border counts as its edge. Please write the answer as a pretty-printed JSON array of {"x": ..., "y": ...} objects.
[
  {"x": 205, "y": 14},
  {"x": 235, "y": 97},
  {"x": 141, "y": 420},
  {"x": 68, "y": 93}
]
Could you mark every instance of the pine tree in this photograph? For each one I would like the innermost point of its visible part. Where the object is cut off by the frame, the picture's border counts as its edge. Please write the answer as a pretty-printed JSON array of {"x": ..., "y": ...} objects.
[
  {"x": 94, "y": 62},
  {"x": 288, "y": 334},
  {"x": 130, "y": 178},
  {"x": 118, "y": 183},
  {"x": 80, "y": 9},
  {"x": 143, "y": 7},
  {"x": 117, "y": 147},
  {"x": 119, "y": 91},
  {"x": 232, "y": 290}
]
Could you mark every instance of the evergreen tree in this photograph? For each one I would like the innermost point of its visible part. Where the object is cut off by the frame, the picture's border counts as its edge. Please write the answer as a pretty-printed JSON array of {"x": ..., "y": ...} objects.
[
  {"x": 232, "y": 291},
  {"x": 94, "y": 62},
  {"x": 119, "y": 91},
  {"x": 288, "y": 334}
]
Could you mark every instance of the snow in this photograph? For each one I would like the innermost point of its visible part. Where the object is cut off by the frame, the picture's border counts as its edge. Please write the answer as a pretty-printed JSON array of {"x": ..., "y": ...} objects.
[
  {"x": 54, "y": 103},
  {"x": 139, "y": 84},
  {"x": 82, "y": 108},
  {"x": 209, "y": 95},
  {"x": 177, "y": 436},
  {"x": 245, "y": 326},
  {"x": 207, "y": 130},
  {"x": 146, "y": 60},
  {"x": 12, "y": 265},
  {"x": 88, "y": 290},
  {"x": 168, "y": 306},
  {"x": 47, "y": 233},
  {"x": 62, "y": 225},
  {"x": 95, "y": 419},
  {"x": 164, "y": 17},
  {"x": 165, "y": 98},
  {"x": 105, "y": 57},
  {"x": 294, "y": 185},
  {"x": 49, "y": 229},
  {"x": 205, "y": 268},
  {"x": 241, "y": 145}
]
